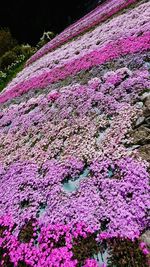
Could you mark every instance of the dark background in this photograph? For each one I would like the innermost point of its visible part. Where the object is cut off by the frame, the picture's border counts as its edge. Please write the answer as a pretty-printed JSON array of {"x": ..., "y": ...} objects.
[{"x": 28, "y": 19}]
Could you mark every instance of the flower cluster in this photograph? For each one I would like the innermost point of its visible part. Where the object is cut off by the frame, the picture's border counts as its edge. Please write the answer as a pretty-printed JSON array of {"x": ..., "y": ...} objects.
[
  {"x": 59, "y": 245},
  {"x": 112, "y": 194},
  {"x": 52, "y": 245},
  {"x": 115, "y": 39},
  {"x": 100, "y": 14},
  {"x": 111, "y": 51},
  {"x": 74, "y": 120}
]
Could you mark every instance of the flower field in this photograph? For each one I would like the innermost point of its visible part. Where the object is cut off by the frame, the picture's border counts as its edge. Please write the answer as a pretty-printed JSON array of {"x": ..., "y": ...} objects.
[{"x": 74, "y": 146}]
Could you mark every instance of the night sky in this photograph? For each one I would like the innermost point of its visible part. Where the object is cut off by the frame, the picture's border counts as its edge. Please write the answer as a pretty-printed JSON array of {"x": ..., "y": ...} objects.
[{"x": 27, "y": 19}]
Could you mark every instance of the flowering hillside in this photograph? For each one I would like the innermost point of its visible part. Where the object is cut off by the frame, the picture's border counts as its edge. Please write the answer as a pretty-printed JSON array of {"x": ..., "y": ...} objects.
[{"x": 75, "y": 146}]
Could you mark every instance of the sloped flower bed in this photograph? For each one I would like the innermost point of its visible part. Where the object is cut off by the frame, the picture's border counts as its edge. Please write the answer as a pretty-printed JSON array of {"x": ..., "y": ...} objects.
[
  {"x": 74, "y": 186},
  {"x": 100, "y": 14}
]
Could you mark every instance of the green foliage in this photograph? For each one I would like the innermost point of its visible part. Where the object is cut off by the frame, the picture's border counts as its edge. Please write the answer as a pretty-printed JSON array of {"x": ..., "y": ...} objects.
[
  {"x": 14, "y": 56},
  {"x": 7, "y": 59},
  {"x": 125, "y": 253},
  {"x": 25, "y": 50},
  {"x": 26, "y": 232},
  {"x": 7, "y": 42},
  {"x": 84, "y": 248},
  {"x": 17, "y": 50},
  {"x": 46, "y": 37},
  {"x": 12, "y": 62},
  {"x": 2, "y": 75},
  {"x": 10, "y": 74}
]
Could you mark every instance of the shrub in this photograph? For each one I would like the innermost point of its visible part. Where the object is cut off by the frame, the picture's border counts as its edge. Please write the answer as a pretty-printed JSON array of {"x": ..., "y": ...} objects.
[
  {"x": 17, "y": 50},
  {"x": 125, "y": 253},
  {"x": 27, "y": 50},
  {"x": 7, "y": 42},
  {"x": 2, "y": 75},
  {"x": 46, "y": 37},
  {"x": 7, "y": 59}
]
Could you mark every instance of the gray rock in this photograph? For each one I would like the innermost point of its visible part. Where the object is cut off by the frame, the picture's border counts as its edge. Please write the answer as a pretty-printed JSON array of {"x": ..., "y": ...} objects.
[
  {"x": 146, "y": 237},
  {"x": 145, "y": 152},
  {"x": 133, "y": 147},
  {"x": 147, "y": 120},
  {"x": 145, "y": 95},
  {"x": 139, "y": 104},
  {"x": 146, "y": 112},
  {"x": 139, "y": 121},
  {"x": 141, "y": 135},
  {"x": 147, "y": 102}
]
